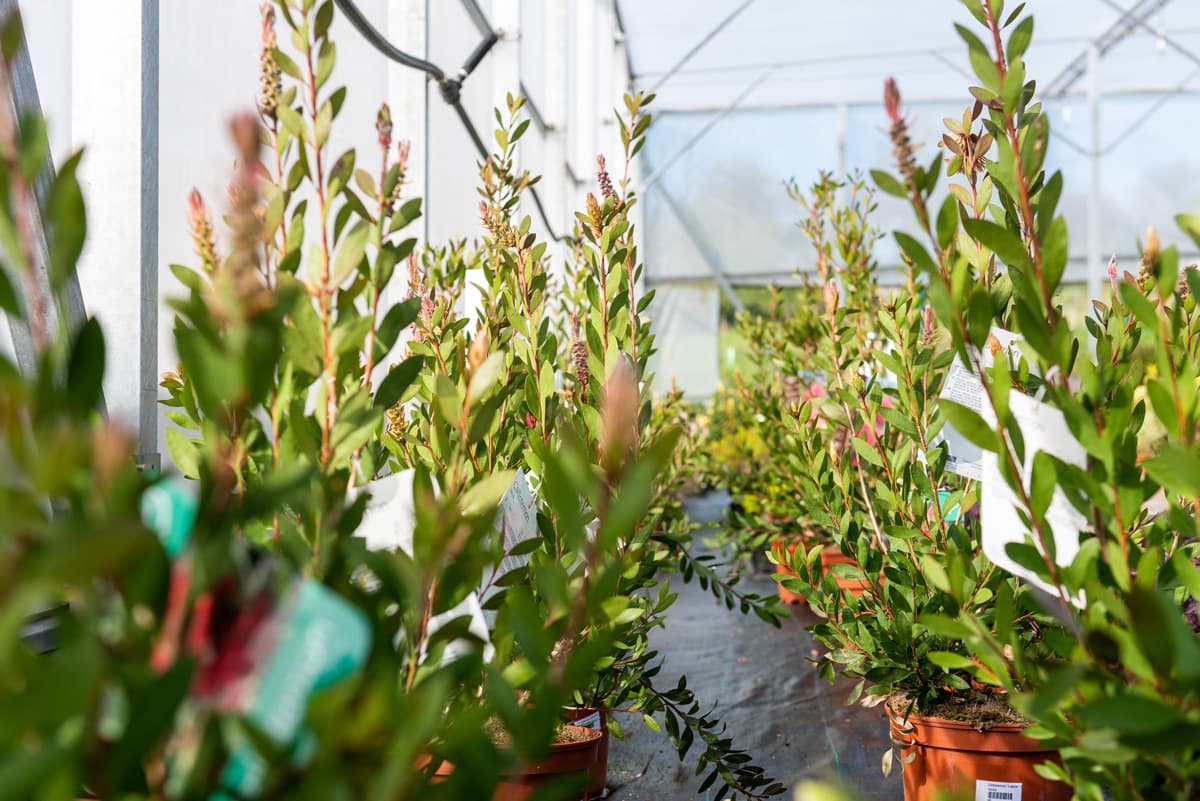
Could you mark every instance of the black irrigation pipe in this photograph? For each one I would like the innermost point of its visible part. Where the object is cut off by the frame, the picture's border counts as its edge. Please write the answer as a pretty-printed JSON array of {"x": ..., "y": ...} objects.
[{"x": 449, "y": 86}]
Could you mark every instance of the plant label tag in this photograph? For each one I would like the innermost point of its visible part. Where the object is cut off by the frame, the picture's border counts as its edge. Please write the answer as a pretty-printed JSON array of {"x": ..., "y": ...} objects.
[
  {"x": 516, "y": 520},
  {"x": 390, "y": 517},
  {"x": 964, "y": 387},
  {"x": 997, "y": 791},
  {"x": 592, "y": 721},
  {"x": 388, "y": 524},
  {"x": 1044, "y": 429}
]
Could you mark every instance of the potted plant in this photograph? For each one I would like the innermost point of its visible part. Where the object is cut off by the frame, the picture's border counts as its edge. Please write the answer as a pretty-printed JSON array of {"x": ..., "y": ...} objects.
[
  {"x": 566, "y": 350},
  {"x": 1104, "y": 524},
  {"x": 792, "y": 344},
  {"x": 432, "y": 416},
  {"x": 144, "y": 695},
  {"x": 893, "y": 509}
]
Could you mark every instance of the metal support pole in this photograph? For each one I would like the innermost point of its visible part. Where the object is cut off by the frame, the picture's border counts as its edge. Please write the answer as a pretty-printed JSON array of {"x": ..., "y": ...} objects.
[
  {"x": 148, "y": 412},
  {"x": 1094, "y": 267}
]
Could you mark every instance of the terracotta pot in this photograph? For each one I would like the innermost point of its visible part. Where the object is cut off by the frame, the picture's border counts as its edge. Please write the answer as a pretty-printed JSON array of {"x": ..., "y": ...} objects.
[
  {"x": 832, "y": 555},
  {"x": 563, "y": 758},
  {"x": 597, "y": 719},
  {"x": 949, "y": 756},
  {"x": 785, "y": 595}
]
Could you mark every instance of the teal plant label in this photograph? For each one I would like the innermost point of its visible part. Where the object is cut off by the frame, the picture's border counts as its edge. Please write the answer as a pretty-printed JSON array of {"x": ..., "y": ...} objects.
[
  {"x": 316, "y": 639},
  {"x": 169, "y": 509}
]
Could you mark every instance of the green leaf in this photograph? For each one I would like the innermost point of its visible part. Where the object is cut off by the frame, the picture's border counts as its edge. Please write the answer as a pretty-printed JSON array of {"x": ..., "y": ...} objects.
[
  {"x": 1054, "y": 253},
  {"x": 188, "y": 277},
  {"x": 293, "y": 123},
  {"x": 397, "y": 381},
  {"x": 407, "y": 213},
  {"x": 970, "y": 425},
  {"x": 888, "y": 183},
  {"x": 1153, "y": 628},
  {"x": 486, "y": 376},
  {"x": 935, "y": 572},
  {"x": 916, "y": 253},
  {"x": 947, "y": 222},
  {"x": 1006, "y": 244},
  {"x": 350, "y": 252},
  {"x": 1190, "y": 225},
  {"x": 1177, "y": 469},
  {"x": 1019, "y": 41},
  {"x": 183, "y": 453},
  {"x": 546, "y": 381},
  {"x": 85, "y": 372},
  {"x": 866, "y": 451},
  {"x": 10, "y": 303},
  {"x": 66, "y": 222},
  {"x": 1128, "y": 713},
  {"x": 948, "y": 660},
  {"x": 484, "y": 495}
]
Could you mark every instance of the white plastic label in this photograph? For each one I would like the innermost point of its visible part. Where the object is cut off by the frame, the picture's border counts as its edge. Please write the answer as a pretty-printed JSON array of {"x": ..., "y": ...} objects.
[
  {"x": 388, "y": 524},
  {"x": 964, "y": 387},
  {"x": 517, "y": 521},
  {"x": 997, "y": 791},
  {"x": 592, "y": 721},
  {"x": 1044, "y": 429}
]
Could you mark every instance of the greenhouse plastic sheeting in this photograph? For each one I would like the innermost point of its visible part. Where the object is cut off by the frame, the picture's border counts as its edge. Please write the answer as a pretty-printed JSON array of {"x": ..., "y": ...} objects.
[
  {"x": 832, "y": 53},
  {"x": 819, "y": 107},
  {"x": 731, "y": 203},
  {"x": 684, "y": 320}
]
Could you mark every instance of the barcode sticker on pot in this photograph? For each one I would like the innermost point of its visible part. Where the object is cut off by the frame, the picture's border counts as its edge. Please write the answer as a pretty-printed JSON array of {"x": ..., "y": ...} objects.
[{"x": 997, "y": 791}]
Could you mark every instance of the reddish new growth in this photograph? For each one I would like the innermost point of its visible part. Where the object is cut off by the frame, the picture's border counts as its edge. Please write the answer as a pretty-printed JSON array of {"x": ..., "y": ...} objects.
[
  {"x": 383, "y": 126},
  {"x": 602, "y": 176},
  {"x": 502, "y": 234},
  {"x": 403, "y": 147},
  {"x": 902, "y": 147},
  {"x": 202, "y": 232},
  {"x": 928, "y": 325},
  {"x": 270, "y": 77},
  {"x": 579, "y": 356}
]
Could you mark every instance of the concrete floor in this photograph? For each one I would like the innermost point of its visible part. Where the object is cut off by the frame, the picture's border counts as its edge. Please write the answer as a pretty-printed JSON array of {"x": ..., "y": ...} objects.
[{"x": 794, "y": 724}]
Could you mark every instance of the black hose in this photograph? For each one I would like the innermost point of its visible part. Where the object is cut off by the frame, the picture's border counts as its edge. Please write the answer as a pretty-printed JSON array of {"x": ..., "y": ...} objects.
[
  {"x": 450, "y": 88},
  {"x": 381, "y": 44}
]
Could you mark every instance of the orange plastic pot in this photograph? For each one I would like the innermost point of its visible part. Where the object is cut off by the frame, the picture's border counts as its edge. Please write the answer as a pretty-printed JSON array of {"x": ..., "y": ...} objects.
[
  {"x": 785, "y": 595},
  {"x": 942, "y": 757},
  {"x": 831, "y": 555},
  {"x": 597, "y": 719},
  {"x": 563, "y": 759}
]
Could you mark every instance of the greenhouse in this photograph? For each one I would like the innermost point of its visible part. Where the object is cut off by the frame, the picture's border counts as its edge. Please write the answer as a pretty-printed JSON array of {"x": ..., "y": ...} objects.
[{"x": 559, "y": 400}]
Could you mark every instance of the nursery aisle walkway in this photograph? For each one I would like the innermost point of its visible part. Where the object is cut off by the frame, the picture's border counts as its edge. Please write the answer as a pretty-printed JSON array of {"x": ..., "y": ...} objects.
[{"x": 776, "y": 707}]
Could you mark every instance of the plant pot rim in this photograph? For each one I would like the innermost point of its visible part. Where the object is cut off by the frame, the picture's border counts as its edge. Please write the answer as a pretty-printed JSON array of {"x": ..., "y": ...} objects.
[
  {"x": 593, "y": 736},
  {"x": 957, "y": 735}
]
